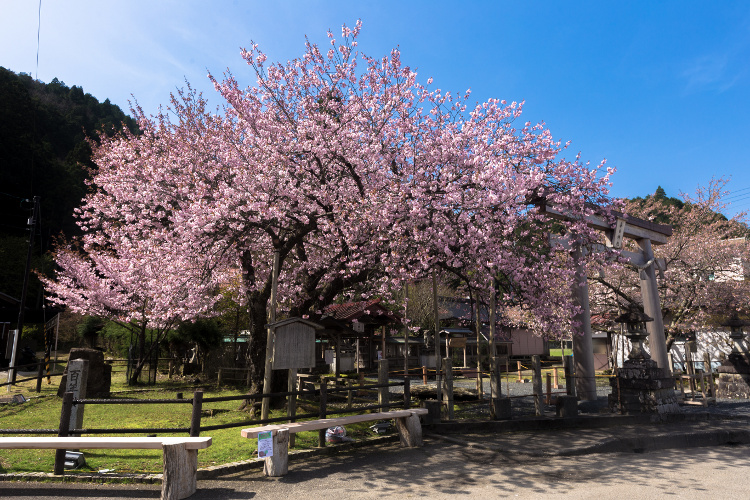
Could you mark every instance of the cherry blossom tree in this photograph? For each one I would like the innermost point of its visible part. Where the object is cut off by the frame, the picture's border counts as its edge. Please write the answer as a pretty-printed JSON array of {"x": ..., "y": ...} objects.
[
  {"x": 142, "y": 284},
  {"x": 356, "y": 174},
  {"x": 704, "y": 281}
]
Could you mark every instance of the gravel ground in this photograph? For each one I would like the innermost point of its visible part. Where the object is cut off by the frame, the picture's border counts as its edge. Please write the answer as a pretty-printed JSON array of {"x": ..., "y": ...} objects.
[{"x": 522, "y": 400}]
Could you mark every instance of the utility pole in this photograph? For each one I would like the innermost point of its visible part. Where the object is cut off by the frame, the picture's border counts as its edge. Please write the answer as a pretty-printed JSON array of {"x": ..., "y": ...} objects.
[{"x": 32, "y": 227}]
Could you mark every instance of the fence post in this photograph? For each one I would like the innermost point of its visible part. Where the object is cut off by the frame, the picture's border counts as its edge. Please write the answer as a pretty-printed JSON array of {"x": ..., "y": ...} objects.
[
  {"x": 322, "y": 412},
  {"x": 448, "y": 387},
  {"x": 499, "y": 404},
  {"x": 291, "y": 408},
  {"x": 424, "y": 375},
  {"x": 349, "y": 394},
  {"x": 570, "y": 386},
  {"x": 548, "y": 400},
  {"x": 407, "y": 393},
  {"x": 39, "y": 377},
  {"x": 707, "y": 368},
  {"x": 383, "y": 393},
  {"x": 195, "y": 419},
  {"x": 67, "y": 407},
  {"x": 520, "y": 377},
  {"x": 537, "y": 382}
]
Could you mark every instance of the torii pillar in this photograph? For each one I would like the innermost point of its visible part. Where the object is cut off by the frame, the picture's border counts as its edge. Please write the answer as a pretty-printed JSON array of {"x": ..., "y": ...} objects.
[
  {"x": 583, "y": 349},
  {"x": 652, "y": 307}
]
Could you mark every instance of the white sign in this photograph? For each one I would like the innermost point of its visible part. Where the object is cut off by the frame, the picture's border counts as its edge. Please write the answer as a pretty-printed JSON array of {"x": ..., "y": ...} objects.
[{"x": 265, "y": 445}]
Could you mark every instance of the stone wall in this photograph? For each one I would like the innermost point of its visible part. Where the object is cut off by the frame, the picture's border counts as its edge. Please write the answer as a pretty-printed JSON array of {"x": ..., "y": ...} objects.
[{"x": 734, "y": 377}]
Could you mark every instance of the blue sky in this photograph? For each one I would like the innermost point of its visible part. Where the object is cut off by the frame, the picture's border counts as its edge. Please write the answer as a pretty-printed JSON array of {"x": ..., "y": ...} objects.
[{"x": 659, "y": 89}]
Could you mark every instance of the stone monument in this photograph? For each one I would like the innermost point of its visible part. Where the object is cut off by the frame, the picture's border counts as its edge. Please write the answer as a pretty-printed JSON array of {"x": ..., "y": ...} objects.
[{"x": 99, "y": 377}]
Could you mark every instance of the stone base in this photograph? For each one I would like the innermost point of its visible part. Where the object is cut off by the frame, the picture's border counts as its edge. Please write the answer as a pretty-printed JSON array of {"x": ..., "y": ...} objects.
[
  {"x": 500, "y": 408},
  {"x": 433, "y": 409},
  {"x": 566, "y": 406},
  {"x": 734, "y": 377},
  {"x": 642, "y": 387}
]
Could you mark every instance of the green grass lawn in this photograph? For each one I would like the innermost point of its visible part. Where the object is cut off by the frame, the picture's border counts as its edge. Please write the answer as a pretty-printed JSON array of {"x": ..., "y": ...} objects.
[
  {"x": 43, "y": 412},
  {"x": 556, "y": 353}
]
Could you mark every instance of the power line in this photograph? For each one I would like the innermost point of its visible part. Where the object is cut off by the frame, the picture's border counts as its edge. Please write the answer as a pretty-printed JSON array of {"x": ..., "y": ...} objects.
[
  {"x": 38, "y": 30},
  {"x": 736, "y": 193},
  {"x": 742, "y": 198}
]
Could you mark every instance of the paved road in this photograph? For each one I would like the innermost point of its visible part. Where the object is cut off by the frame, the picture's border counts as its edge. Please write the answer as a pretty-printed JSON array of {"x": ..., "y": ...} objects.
[{"x": 446, "y": 470}]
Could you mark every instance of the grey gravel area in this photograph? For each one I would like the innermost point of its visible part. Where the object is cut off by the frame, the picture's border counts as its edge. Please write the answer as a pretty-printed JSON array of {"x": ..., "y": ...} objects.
[{"x": 522, "y": 400}]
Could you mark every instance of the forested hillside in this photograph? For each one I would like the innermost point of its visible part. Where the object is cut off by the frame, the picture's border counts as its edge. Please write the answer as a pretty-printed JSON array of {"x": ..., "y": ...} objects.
[{"x": 43, "y": 152}]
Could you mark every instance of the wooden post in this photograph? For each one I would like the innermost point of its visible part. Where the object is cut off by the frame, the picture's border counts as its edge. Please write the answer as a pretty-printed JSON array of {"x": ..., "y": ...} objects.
[
  {"x": 265, "y": 406},
  {"x": 496, "y": 388},
  {"x": 407, "y": 393},
  {"x": 382, "y": 340},
  {"x": 448, "y": 389},
  {"x": 65, "y": 411},
  {"x": 406, "y": 335},
  {"x": 520, "y": 377},
  {"x": 480, "y": 388},
  {"x": 322, "y": 412},
  {"x": 356, "y": 356},
  {"x": 424, "y": 375},
  {"x": 39, "y": 377},
  {"x": 548, "y": 400},
  {"x": 650, "y": 293},
  {"x": 499, "y": 405},
  {"x": 383, "y": 393},
  {"x": 555, "y": 381},
  {"x": 537, "y": 383},
  {"x": 195, "y": 419},
  {"x": 438, "y": 354},
  {"x": 277, "y": 465},
  {"x": 570, "y": 386},
  {"x": 337, "y": 346},
  {"x": 291, "y": 408},
  {"x": 349, "y": 394},
  {"x": 690, "y": 367},
  {"x": 410, "y": 431},
  {"x": 507, "y": 375},
  {"x": 180, "y": 472},
  {"x": 710, "y": 371}
]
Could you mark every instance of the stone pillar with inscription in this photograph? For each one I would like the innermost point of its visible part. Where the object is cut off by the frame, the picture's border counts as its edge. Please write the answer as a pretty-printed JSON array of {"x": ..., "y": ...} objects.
[{"x": 78, "y": 370}]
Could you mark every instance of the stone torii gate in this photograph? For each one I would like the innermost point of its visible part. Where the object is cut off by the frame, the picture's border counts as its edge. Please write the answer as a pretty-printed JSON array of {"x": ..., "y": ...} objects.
[{"x": 645, "y": 233}]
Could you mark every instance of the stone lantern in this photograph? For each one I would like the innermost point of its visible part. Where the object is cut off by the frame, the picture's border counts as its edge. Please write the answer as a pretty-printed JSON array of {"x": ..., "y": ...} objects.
[
  {"x": 635, "y": 322},
  {"x": 735, "y": 324},
  {"x": 734, "y": 372},
  {"x": 640, "y": 386}
]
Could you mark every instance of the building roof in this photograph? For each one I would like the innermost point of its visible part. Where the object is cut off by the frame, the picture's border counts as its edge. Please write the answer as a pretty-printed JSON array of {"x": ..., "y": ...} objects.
[{"x": 368, "y": 311}]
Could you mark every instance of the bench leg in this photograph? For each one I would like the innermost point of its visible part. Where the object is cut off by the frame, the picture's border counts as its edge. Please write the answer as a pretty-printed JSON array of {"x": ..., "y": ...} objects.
[
  {"x": 410, "y": 431},
  {"x": 180, "y": 472},
  {"x": 278, "y": 464}
]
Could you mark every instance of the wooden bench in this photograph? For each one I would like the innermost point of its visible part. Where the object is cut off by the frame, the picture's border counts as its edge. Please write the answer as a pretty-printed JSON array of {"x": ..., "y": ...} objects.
[
  {"x": 407, "y": 422},
  {"x": 180, "y": 455}
]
